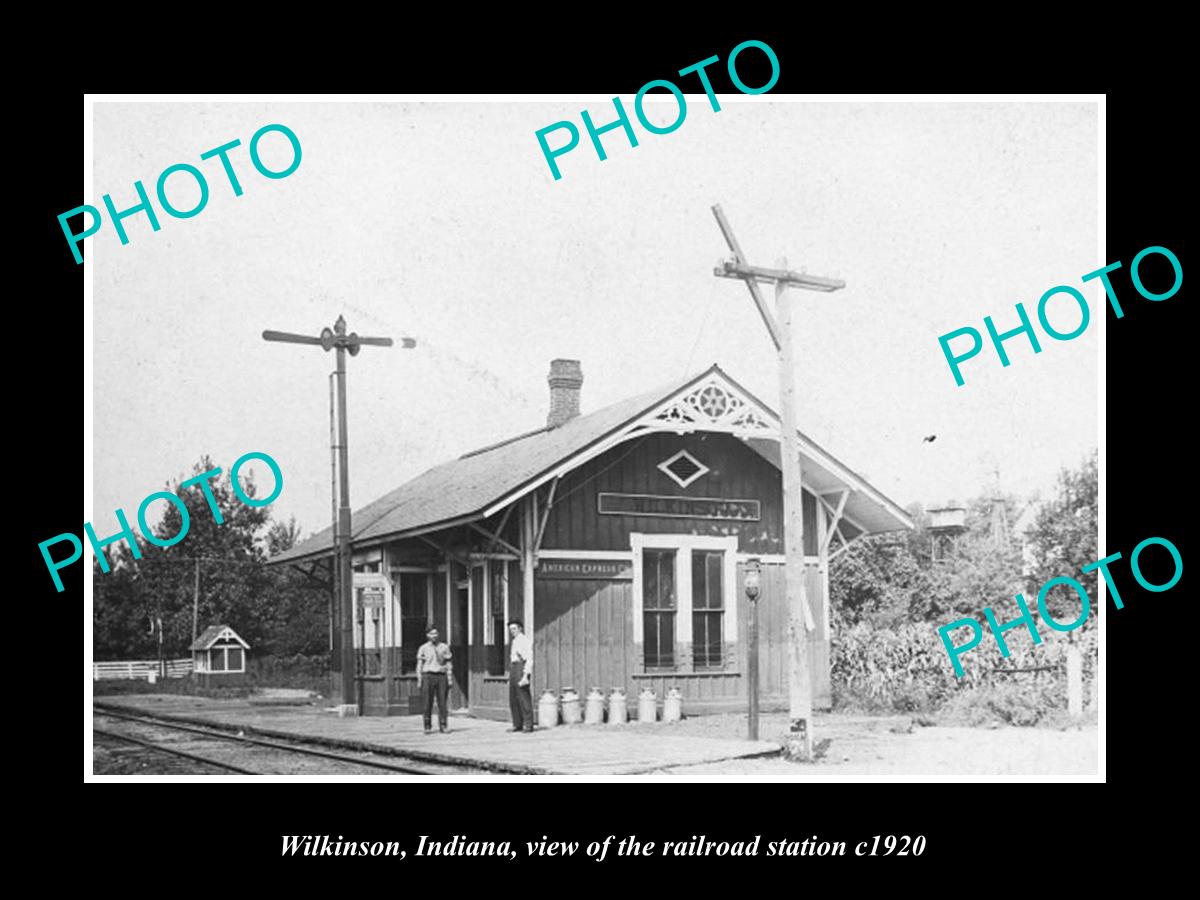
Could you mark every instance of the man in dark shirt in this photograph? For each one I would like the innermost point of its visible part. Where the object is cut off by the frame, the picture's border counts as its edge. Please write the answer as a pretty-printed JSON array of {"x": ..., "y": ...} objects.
[{"x": 433, "y": 678}]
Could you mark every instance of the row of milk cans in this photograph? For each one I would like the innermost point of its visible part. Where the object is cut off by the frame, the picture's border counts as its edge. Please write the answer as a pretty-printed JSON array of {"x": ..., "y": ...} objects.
[{"x": 592, "y": 710}]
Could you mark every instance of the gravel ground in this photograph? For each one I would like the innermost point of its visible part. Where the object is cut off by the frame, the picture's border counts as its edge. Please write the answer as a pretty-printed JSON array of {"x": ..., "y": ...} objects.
[{"x": 865, "y": 746}]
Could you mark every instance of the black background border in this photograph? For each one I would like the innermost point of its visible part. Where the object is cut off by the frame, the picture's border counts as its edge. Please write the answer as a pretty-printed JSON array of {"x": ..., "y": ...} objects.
[{"x": 971, "y": 823}]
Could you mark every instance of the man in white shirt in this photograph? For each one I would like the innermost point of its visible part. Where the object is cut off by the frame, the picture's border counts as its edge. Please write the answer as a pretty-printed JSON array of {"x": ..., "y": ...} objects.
[
  {"x": 433, "y": 678},
  {"x": 520, "y": 674}
]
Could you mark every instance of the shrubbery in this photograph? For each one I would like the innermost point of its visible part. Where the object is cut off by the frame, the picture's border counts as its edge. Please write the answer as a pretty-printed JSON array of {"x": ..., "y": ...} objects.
[
  {"x": 905, "y": 669},
  {"x": 292, "y": 671}
]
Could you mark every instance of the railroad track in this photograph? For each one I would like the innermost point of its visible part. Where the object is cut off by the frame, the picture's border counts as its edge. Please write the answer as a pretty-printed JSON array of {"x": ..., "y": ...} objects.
[
  {"x": 160, "y": 748},
  {"x": 216, "y": 735}
]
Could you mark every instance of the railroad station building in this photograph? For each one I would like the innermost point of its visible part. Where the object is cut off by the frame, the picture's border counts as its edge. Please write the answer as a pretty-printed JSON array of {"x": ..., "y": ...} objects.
[{"x": 619, "y": 537}]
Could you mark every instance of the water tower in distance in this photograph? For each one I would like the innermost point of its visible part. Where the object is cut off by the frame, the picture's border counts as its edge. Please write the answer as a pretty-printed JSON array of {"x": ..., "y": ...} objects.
[{"x": 946, "y": 523}]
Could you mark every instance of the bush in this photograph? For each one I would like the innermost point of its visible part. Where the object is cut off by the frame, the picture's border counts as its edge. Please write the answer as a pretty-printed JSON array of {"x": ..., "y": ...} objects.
[
  {"x": 298, "y": 671},
  {"x": 1012, "y": 704},
  {"x": 905, "y": 669}
]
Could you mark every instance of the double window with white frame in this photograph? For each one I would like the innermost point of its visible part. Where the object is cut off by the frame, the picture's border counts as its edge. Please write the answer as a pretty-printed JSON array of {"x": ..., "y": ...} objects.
[
  {"x": 684, "y": 594},
  {"x": 227, "y": 658}
]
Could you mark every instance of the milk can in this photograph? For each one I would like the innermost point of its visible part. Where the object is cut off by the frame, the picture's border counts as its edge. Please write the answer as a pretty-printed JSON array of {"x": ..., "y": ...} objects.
[
  {"x": 571, "y": 714},
  {"x": 616, "y": 707},
  {"x": 647, "y": 705},
  {"x": 593, "y": 710},
  {"x": 548, "y": 709},
  {"x": 673, "y": 706}
]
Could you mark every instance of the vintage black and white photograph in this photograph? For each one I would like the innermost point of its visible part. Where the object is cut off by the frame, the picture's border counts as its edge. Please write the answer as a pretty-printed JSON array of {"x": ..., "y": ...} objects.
[{"x": 471, "y": 438}]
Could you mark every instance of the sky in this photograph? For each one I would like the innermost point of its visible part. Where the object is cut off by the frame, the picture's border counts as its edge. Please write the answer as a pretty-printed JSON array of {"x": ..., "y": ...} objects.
[{"x": 441, "y": 221}]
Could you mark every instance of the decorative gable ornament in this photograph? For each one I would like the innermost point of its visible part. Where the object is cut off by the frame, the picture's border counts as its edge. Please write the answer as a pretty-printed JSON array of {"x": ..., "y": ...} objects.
[{"x": 712, "y": 405}]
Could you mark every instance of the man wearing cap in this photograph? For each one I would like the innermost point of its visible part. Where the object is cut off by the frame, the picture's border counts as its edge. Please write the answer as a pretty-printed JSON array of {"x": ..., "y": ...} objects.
[{"x": 433, "y": 678}]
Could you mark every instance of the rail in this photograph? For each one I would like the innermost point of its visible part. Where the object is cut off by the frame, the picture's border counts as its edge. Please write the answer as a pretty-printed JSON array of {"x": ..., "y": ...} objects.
[{"x": 254, "y": 741}]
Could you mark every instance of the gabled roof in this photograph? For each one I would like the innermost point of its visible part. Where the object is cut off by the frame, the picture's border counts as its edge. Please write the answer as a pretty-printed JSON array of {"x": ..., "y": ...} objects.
[
  {"x": 214, "y": 633},
  {"x": 479, "y": 483}
]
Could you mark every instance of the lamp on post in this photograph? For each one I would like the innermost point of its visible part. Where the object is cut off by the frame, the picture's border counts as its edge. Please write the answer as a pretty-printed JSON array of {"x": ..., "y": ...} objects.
[{"x": 753, "y": 570}]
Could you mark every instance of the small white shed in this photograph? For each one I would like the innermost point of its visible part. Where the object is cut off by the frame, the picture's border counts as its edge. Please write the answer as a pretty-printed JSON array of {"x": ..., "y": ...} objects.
[{"x": 219, "y": 651}]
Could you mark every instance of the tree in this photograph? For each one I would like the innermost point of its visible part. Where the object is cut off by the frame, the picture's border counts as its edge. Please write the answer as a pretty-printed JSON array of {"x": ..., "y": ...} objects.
[
  {"x": 274, "y": 609},
  {"x": 982, "y": 570},
  {"x": 878, "y": 580},
  {"x": 283, "y": 536},
  {"x": 892, "y": 578},
  {"x": 1063, "y": 538}
]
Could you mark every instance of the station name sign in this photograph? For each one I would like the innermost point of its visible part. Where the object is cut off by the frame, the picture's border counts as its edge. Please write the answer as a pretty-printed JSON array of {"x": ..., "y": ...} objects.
[
  {"x": 657, "y": 506},
  {"x": 615, "y": 569}
]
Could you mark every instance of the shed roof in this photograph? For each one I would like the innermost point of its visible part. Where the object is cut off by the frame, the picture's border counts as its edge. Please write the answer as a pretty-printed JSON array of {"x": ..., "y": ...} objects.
[
  {"x": 476, "y": 484},
  {"x": 214, "y": 633}
]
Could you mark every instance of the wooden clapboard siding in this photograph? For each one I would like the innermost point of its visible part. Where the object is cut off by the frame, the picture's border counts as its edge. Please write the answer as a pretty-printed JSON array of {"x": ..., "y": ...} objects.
[
  {"x": 381, "y": 699},
  {"x": 584, "y": 639},
  {"x": 703, "y": 692},
  {"x": 583, "y": 636},
  {"x": 773, "y": 634},
  {"x": 737, "y": 472},
  {"x": 490, "y": 696}
]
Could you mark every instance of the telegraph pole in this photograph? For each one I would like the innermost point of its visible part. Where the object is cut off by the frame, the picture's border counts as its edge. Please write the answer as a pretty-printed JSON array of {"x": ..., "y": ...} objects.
[
  {"x": 337, "y": 339},
  {"x": 779, "y": 326},
  {"x": 196, "y": 604}
]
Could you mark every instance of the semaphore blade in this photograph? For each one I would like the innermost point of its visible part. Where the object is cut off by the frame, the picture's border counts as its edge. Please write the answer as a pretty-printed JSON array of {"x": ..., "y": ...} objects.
[{"x": 289, "y": 338}]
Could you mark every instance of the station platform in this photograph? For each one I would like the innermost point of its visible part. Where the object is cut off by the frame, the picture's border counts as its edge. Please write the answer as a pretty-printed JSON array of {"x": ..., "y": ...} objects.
[{"x": 601, "y": 750}]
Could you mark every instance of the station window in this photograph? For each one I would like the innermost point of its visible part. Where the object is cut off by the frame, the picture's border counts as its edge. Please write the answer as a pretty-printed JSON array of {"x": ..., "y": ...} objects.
[
  {"x": 708, "y": 608},
  {"x": 658, "y": 608},
  {"x": 684, "y": 597}
]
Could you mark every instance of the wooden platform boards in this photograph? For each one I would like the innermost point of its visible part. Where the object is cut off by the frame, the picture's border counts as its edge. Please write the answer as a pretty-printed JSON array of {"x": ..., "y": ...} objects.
[{"x": 480, "y": 743}]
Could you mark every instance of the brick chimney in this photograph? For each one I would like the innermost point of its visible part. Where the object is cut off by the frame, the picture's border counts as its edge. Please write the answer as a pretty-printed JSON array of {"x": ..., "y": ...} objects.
[{"x": 566, "y": 378}]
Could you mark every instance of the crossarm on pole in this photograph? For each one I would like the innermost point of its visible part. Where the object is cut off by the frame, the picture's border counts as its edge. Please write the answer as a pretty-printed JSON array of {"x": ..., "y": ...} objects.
[
  {"x": 771, "y": 276},
  {"x": 763, "y": 309}
]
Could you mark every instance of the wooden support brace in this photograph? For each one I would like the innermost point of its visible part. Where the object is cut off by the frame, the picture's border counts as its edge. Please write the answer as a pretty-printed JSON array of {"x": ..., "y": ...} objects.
[
  {"x": 835, "y": 520},
  {"x": 504, "y": 519},
  {"x": 446, "y": 550},
  {"x": 846, "y": 544},
  {"x": 537, "y": 544},
  {"x": 496, "y": 539}
]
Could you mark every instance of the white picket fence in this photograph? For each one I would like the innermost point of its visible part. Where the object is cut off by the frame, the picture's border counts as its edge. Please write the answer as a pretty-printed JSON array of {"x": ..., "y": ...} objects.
[{"x": 141, "y": 669}]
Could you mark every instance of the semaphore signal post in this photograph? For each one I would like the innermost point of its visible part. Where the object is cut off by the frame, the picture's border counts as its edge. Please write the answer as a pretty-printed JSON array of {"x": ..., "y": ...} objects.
[{"x": 343, "y": 575}]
